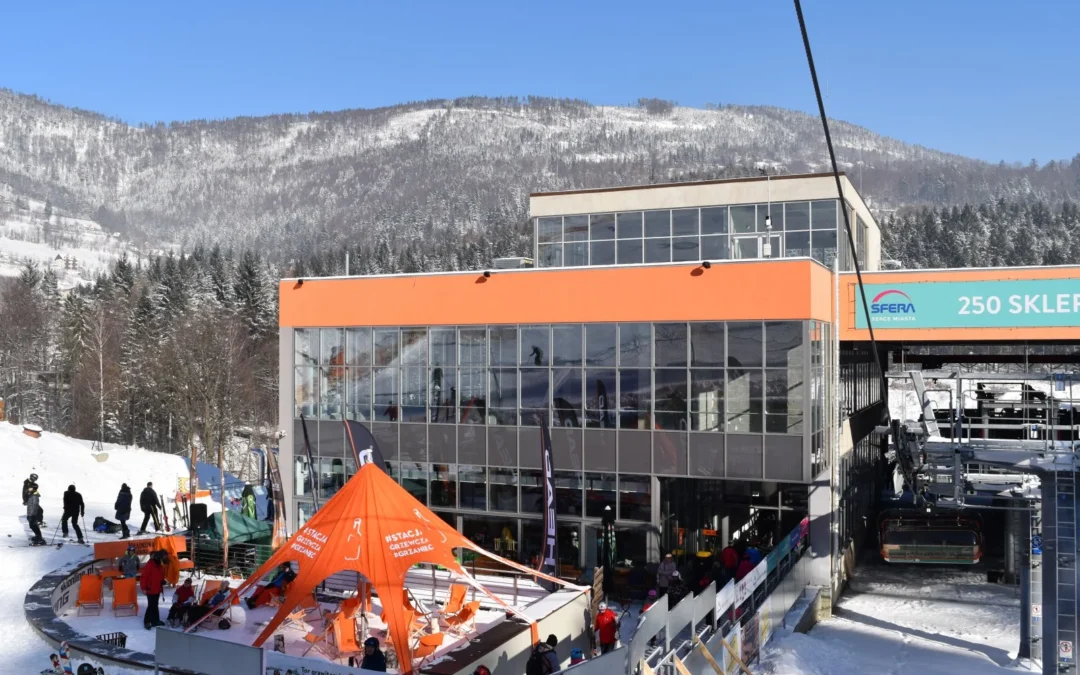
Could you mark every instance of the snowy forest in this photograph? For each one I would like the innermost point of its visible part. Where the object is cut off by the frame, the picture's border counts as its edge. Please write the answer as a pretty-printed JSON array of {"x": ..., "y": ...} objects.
[{"x": 177, "y": 351}]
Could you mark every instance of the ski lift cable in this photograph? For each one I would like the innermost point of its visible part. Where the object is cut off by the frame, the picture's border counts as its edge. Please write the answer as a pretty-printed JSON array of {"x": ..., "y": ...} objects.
[{"x": 840, "y": 193}]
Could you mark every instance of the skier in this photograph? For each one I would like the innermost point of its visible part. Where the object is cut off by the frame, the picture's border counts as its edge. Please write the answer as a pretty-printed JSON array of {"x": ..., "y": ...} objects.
[
  {"x": 35, "y": 516},
  {"x": 123, "y": 509},
  {"x": 32, "y": 480},
  {"x": 74, "y": 508},
  {"x": 148, "y": 502},
  {"x": 247, "y": 501}
]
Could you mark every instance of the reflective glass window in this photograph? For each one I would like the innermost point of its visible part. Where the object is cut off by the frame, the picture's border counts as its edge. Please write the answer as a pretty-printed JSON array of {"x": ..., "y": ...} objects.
[
  {"x": 307, "y": 392},
  {"x": 535, "y": 388},
  {"x": 824, "y": 246},
  {"x": 332, "y": 351},
  {"x": 443, "y": 347},
  {"x": 783, "y": 344},
  {"x": 549, "y": 255},
  {"x": 658, "y": 250},
  {"x": 714, "y": 248},
  {"x": 823, "y": 215},
  {"x": 658, "y": 223},
  {"x": 444, "y": 484},
  {"x": 358, "y": 394},
  {"x": 473, "y": 346},
  {"x": 743, "y": 401},
  {"x": 532, "y": 491},
  {"x": 549, "y": 230},
  {"x": 602, "y": 226},
  {"x": 707, "y": 399},
  {"x": 358, "y": 347},
  {"x": 306, "y": 347},
  {"x": 535, "y": 346},
  {"x": 576, "y": 254},
  {"x": 670, "y": 344},
  {"x": 773, "y": 212},
  {"x": 714, "y": 220},
  {"x": 414, "y": 346},
  {"x": 472, "y": 396},
  {"x": 566, "y": 344},
  {"x": 414, "y": 478},
  {"x": 502, "y": 396},
  {"x": 685, "y": 249},
  {"x": 635, "y": 344},
  {"x": 797, "y": 216},
  {"x": 599, "y": 493},
  {"x": 504, "y": 345},
  {"x": 566, "y": 397},
  {"x": 443, "y": 394},
  {"x": 414, "y": 394},
  {"x": 332, "y": 391},
  {"x": 629, "y": 251},
  {"x": 568, "y": 492},
  {"x": 635, "y": 501},
  {"x": 744, "y": 344},
  {"x": 386, "y": 346},
  {"x": 707, "y": 344},
  {"x": 671, "y": 399},
  {"x": 600, "y": 345},
  {"x": 602, "y": 253},
  {"x": 635, "y": 394},
  {"x": 503, "y": 484},
  {"x": 600, "y": 388},
  {"x": 386, "y": 395},
  {"x": 783, "y": 401},
  {"x": 628, "y": 225},
  {"x": 684, "y": 222},
  {"x": 797, "y": 244},
  {"x": 331, "y": 476},
  {"x": 473, "y": 481},
  {"x": 743, "y": 219},
  {"x": 575, "y": 228}
]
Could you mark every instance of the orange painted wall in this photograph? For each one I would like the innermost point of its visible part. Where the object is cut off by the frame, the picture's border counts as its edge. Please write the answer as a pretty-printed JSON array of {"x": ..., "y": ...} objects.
[
  {"x": 732, "y": 291},
  {"x": 849, "y": 291}
]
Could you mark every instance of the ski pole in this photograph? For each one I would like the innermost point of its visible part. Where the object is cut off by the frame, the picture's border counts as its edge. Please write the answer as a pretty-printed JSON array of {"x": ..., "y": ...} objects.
[{"x": 54, "y": 534}]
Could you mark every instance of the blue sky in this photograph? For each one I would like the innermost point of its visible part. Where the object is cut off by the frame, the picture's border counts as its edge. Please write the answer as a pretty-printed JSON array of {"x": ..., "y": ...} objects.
[{"x": 991, "y": 79}]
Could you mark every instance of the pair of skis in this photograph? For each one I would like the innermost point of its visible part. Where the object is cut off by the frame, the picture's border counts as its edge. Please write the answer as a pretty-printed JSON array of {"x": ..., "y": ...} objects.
[{"x": 164, "y": 513}]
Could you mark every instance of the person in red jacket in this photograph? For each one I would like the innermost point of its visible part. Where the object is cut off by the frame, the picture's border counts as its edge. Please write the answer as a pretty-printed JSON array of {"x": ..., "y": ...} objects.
[
  {"x": 152, "y": 583},
  {"x": 745, "y": 567},
  {"x": 182, "y": 602},
  {"x": 607, "y": 628},
  {"x": 730, "y": 559}
]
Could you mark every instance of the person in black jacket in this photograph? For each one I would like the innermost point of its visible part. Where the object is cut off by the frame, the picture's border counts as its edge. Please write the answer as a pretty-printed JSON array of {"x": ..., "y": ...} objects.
[
  {"x": 74, "y": 508},
  {"x": 35, "y": 516},
  {"x": 26, "y": 485},
  {"x": 123, "y": 509},
  {"x": 148, "y": 502}
]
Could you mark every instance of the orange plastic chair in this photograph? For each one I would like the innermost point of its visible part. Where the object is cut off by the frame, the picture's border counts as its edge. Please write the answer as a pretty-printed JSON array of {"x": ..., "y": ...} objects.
[
  {"x": 125, "y": 597},
  {"x": 457, "y": 599},
  {"x": 427, "y": 646},
  {"x": 459, "y": 621},
  {"x": 345, "y": 643},
  {"x": 91, "y": 596},
  {"x": 349, "y": 606},
  {"x": 320, "y": 640}
]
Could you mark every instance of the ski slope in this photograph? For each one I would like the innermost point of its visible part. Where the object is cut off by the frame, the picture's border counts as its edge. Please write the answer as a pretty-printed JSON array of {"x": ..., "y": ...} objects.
[
  {"x": 59, "y": 461},
  {"x": 897, "y": 620}
]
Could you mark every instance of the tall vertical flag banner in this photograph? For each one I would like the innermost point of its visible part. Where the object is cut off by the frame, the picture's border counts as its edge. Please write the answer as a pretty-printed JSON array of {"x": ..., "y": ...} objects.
[
  {"x": 311, "y": 463},
  {"x": 549, "y": 555},
  {"x": 360, "y": 437},
  {"x": 280, "y": 533}
]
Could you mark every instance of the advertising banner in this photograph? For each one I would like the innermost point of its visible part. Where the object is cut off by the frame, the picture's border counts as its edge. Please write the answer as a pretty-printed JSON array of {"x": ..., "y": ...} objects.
[
  {"x": 1028, "y": 303},
  {"x": 750, "y": 642},
  {"x": 765, "y": 621},
  {"x": 725, "y": 598},
  {"x": 734, "y": 640}
]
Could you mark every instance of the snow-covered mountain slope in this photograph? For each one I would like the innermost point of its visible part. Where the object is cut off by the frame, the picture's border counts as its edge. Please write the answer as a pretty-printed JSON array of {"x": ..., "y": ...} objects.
[
  {"x": 59, "y": 461},
  {"x": 296, "y": 182}
]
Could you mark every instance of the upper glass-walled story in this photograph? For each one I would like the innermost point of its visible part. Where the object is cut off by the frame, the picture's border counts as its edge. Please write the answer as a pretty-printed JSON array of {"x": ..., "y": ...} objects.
[{"x": 735, "y": 232}]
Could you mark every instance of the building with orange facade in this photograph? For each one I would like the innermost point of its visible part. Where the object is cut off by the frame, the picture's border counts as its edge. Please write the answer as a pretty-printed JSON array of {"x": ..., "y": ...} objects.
[{"x": 695, "y": 349}]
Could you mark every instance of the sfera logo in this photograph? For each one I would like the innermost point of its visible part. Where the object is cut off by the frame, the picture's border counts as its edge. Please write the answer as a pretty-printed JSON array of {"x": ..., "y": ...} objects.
[{"x": 892, "y": 305}]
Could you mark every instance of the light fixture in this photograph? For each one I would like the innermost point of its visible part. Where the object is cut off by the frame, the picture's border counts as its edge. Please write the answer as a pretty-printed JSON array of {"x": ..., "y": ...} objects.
[
  {"x": 299, "y": 282},
  {"x": 706, "y": 264},
  {"x": 768, "y": 222},
  {"x": 487, "y": 274}
]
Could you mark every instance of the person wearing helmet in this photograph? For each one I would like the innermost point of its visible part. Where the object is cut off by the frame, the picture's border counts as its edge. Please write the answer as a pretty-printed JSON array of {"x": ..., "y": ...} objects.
[
  {"x": 374, "y": 659},
  {"x": 481, "y": 670},
  {"x": 576, "y": 656},
  {"x": 32, "y": 480},
  {"x": 129, "y": 563}
]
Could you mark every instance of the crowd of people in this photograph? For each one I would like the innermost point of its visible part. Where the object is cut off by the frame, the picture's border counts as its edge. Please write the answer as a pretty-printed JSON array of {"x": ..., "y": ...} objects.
[{"x": 74, "y": 511}]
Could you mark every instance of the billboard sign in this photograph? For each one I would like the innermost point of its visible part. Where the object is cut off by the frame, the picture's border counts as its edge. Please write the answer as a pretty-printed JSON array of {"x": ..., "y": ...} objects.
[{"x": 1026, "y": 303}]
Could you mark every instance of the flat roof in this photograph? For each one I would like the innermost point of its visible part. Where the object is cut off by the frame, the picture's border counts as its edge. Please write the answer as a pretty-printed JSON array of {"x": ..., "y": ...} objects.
[{"x": 652, "y": 186}]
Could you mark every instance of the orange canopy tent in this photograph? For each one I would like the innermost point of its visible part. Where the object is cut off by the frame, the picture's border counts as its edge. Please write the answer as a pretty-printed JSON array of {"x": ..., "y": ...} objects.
[{"x": 375, "y": 527}]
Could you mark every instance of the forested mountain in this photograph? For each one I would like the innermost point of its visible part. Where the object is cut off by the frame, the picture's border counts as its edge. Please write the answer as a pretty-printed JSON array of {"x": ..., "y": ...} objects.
[{"x": 447, "y": 173}]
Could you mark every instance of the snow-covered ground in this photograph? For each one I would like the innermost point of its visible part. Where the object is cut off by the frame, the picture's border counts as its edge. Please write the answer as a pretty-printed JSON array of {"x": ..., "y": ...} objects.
[
  {"x": 59, "y": 461},
  {"x": 909, "y": 619}
]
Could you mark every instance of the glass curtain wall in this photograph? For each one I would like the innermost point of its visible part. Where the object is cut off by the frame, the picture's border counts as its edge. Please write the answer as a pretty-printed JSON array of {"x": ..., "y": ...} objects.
[{"x": 791, "y": 229}]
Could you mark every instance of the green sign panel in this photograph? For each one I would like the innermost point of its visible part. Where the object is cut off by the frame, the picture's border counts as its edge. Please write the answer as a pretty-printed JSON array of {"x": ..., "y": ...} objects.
[{"x": 972, "y": 304}]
